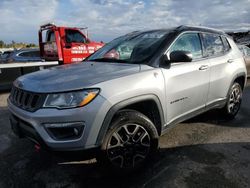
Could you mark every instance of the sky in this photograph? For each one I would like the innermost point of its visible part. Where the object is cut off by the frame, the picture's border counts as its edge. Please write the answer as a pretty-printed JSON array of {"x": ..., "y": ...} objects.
[{"x": 107, "y": 19}]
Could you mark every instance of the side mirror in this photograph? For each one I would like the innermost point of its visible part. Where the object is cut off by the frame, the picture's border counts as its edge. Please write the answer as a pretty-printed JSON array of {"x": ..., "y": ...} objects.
[
  {"x": 180, "y": 56},
  {"x": 88, "y": 41},
  {"x": 165, "y": 60}
]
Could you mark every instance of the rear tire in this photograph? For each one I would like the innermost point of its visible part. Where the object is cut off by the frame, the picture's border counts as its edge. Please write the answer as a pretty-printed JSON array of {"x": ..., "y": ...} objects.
[
  {"x": 233, "y": 104},
  {"x": 130, "y": 141}
]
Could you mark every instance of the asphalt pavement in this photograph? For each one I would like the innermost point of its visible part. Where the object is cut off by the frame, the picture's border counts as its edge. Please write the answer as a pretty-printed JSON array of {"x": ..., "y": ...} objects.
[{"x": 206, "y": 151}]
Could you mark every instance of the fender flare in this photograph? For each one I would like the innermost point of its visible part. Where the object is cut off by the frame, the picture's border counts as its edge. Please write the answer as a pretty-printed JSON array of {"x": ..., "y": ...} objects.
[
  {"x": 115, "y": 108},
  {"x": 235, "y": 77}
]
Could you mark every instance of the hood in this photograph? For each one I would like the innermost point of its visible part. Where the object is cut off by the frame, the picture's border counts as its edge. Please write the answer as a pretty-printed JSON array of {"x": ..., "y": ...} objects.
[{"x": 74, "y": 76}]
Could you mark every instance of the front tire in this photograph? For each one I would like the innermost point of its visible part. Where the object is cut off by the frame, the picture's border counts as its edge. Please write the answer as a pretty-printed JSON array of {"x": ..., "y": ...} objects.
[
  {"x": 130, "y": 141},
  {"x": 234, "y": 99}
]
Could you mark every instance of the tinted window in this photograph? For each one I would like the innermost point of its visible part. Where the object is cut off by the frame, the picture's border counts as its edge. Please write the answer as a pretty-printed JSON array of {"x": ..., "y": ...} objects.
[
  {"x": 6, "y": 54},
  {"x": 25, "y": 54},
  {"x": 242, "y": 50},
  {"x": 227, "y": 46},
  {"x": 188, "y": 42},
  {"x": 30, "y": 54},
  {"x": 213, "y": 45},
  {"x": 74, "y": 36},
  {"x": 35, "y": 54},
  {"x": 247, "y": 51}
]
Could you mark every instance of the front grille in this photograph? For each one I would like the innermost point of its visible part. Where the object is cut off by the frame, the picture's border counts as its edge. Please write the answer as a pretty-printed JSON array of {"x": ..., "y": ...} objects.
[{"x": 26, "y": 100}]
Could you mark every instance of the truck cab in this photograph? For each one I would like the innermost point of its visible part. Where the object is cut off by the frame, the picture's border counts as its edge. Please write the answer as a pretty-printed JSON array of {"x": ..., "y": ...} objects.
[{"x": 65, "y": 44}]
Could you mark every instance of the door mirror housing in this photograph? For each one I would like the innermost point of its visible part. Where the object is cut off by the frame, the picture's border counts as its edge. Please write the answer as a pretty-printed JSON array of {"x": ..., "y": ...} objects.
[
  {"x": 181, "y": 56},
  {"x": 88, "y": 41}
]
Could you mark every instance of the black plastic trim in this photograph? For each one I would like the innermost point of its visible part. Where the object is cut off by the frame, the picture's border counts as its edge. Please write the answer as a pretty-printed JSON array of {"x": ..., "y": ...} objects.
[{"x": 122, "y": 104}]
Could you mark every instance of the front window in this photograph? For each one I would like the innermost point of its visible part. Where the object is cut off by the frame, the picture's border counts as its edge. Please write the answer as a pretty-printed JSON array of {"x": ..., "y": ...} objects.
[
  {"x": 131, "y": 48},
  {"x": 51, "y": 36},
  {"x": 188, "y": 42},
  {"x": 74, "y": 36}
]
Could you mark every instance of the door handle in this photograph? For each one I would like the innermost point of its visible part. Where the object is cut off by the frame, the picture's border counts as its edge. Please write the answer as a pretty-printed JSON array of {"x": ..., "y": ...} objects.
[
  {"x": 230, "y": 61},
  {"x": 203, "y": 67}
]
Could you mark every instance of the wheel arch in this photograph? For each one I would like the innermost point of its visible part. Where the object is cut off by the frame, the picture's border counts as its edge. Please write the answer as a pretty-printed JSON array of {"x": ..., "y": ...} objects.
[
  {"x": 241, "y": 79},
  {"x": 156, "y": 111}
]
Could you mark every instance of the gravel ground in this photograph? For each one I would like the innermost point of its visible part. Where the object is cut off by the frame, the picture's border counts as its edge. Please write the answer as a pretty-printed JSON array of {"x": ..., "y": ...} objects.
[{"x": 203, "y": 152}]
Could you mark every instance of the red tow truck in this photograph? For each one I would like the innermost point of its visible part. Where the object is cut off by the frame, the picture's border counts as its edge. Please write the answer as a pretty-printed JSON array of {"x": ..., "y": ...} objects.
[
  {"x": 58, "y": 45},
  {"x": 65, "y": 44}
]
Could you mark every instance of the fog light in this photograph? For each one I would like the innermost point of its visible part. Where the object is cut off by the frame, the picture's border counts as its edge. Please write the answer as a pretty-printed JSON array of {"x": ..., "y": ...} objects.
[
  {"x": 76, "y": 131},
  {"x": 65, "y": 131}
]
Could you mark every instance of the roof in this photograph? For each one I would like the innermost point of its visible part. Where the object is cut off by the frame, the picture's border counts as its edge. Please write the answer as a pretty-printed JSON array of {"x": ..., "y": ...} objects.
[
  {"x": 183, "y": 28},
  {"x": 200, "y": 28}
]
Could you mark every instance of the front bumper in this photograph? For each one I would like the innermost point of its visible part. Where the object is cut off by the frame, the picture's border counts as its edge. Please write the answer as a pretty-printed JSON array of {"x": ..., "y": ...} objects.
[{"x": 34, "y": 125}]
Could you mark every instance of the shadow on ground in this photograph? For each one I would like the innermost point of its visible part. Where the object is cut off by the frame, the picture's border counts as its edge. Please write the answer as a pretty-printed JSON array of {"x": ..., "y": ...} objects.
[
  {"x": 190, "y": 166},
  {"x": 203, "y": 165}
]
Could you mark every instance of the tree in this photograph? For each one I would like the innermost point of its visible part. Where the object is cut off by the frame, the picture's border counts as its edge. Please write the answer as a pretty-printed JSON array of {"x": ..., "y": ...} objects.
[
  {"x": 31, "y": 45},
  {"x": 2, "y": 44},
  {"x": 13, "y": 44}
]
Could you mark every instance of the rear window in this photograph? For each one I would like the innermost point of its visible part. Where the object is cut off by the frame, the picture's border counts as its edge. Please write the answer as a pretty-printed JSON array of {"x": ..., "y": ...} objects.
[
  {"x": 247, "y": 51},
  {"x": 227, "y": 46},
  {"x": 213, "y": 45}
]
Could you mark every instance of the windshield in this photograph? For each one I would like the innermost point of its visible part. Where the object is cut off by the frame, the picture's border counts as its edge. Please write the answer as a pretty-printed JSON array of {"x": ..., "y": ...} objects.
[{"x": 132, "y": 48}]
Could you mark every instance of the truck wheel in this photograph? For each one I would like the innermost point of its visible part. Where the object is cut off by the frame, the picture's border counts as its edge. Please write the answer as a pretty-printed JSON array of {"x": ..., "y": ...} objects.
[
  {"x": 233, "y": 101},
  {"x": 130, "y": 141}
]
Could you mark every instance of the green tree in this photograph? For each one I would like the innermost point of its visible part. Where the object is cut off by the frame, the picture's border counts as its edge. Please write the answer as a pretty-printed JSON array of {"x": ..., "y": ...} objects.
[
  {"x": 13, "y": 44},
  {"x": 2, "y": 44}
]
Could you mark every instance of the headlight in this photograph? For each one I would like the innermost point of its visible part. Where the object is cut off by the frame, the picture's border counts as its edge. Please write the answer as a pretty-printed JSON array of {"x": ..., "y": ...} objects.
[{"x": 70, "y": 99}]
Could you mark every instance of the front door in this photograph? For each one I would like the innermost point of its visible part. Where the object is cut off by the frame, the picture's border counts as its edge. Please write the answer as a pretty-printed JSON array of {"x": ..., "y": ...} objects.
[
  {"x": 220, "y": 62},
  {"x": 187, "y": 83}
]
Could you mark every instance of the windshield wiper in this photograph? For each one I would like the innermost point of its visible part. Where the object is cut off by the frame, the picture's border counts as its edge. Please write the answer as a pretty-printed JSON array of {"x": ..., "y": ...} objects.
[{"x": 109, "y": 60}]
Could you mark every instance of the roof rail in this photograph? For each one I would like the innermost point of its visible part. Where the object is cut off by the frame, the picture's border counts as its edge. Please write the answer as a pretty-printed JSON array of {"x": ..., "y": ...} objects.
[{"x": 180, "y": 27}]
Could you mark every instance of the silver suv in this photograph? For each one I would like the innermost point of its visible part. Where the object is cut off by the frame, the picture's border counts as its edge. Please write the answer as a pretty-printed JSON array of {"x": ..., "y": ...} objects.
[{"x": 128, "y": 93}]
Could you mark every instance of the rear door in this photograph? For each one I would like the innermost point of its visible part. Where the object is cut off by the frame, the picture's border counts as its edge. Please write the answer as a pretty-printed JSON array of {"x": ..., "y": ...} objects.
[
  {"x": 75, "y": 48},
  {"x": 217, "y": 50},
  {"x": 187, "y": 83}
]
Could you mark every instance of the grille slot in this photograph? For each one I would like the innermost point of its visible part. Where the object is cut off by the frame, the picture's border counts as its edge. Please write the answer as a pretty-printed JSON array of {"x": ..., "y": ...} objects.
[{"x": 26, "y": 100}]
